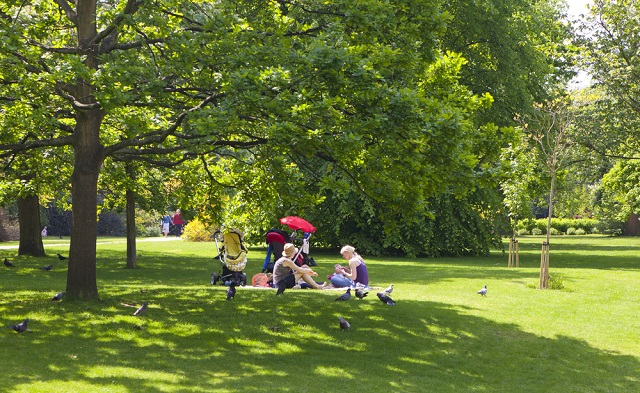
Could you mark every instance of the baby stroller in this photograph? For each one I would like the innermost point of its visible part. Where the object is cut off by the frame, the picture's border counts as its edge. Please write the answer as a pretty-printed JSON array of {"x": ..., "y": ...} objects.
[{"x": 233, "y": 258}]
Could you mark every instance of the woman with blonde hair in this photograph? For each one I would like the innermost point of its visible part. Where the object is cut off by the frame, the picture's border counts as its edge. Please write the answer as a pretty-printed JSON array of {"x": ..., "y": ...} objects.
[{"x": 356, "y": 274}]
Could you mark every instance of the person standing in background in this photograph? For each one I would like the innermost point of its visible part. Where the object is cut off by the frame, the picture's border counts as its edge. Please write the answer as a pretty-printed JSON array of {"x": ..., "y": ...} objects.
[
  {"x": 166, "y": 221},
  {"x": 178, "y": 222}
]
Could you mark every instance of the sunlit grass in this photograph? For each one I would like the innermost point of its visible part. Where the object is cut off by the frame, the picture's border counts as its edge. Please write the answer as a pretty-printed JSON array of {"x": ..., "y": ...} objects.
[{"x": 440, "y": 337}]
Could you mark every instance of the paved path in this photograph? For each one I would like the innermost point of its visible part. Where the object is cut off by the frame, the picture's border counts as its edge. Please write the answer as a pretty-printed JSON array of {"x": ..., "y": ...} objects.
[{"x": 124, "y": 240}]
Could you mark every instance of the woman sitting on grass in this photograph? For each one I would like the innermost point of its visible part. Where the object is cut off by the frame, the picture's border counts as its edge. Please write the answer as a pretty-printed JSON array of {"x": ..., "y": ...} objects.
[
  {"x": 289, "y": 273},
  {"x": 357, "y": 273}
]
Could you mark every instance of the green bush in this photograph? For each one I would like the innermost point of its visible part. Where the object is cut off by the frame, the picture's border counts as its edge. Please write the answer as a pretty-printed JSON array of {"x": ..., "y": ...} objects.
[
  {"x": 536, "y": 231},
  {"x": 580, "y": 231},
  {"x": 562, "y": 224},
  {"x": 572, "y": 231},
  {"x": 147, "y": 224},
  {"x": 522, "y": 232},
  {"x": 554, "y": 232},
  {"x": 556, "y": 282}
]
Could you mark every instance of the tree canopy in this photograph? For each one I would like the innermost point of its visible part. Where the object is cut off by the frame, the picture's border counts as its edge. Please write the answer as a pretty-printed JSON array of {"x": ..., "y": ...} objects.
[{"x": 356, "y": 108}]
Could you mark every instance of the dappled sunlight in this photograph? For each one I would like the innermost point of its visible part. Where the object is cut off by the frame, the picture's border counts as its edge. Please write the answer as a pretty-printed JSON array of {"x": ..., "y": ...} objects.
[
  {"x": 286, "y": 348},
  {"x": 104, "y": 371},
  {"x": 441, "y": 336},
  {"x": 252, "y": 370},
  {"x": 253, "y": 346},
  {"x": 414, "y": 360},
  {"x": 331, "y": 372},
  {"x": 70, "y": 387}
]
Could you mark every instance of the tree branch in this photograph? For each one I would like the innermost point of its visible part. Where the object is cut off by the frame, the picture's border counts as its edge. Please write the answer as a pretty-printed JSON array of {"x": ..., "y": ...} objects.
[{"x": 73, "y": 17}]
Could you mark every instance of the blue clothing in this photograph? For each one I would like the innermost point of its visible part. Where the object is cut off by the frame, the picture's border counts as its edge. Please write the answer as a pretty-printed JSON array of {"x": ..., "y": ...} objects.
[
  {"x": 166, "y": 219},
  {"x": 340, "y": 281},
  {"x": 267, "y": 259}
]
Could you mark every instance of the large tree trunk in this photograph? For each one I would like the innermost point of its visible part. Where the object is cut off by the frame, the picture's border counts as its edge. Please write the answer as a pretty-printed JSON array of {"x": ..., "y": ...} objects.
[
  {"x": 88, "y": 158},
  {"x": 132, "y": 260},
  {"x": 81, "y": 276},
  {"x": 30, "y": 232}
]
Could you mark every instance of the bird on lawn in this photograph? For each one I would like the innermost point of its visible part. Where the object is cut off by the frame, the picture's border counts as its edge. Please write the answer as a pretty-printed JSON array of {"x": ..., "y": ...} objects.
[
  {"x": 8, "y": 263},
  {"x": 344, "y": 296},
  {"x": 281, "y": 287},
  {"x": 47, "y": 268},
  {"x": 231, "y": 291},
  {"x": 141, "y": 310},
  {"x": 360, "y": 294},
  {"x": 388, "y": 290},
  {"x": 344, "y": 325},
  {"x": 58, "y": 296},
  {"x": 61, "y": 257},
  {"x": 385, "y": 299},
  {"x": 483, "y": 291},
  {"x": 20, "y": 327}
]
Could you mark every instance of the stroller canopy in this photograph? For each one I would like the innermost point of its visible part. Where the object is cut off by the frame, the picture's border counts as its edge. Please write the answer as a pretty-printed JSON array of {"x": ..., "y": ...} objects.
[{"x": 234, "y": 253}]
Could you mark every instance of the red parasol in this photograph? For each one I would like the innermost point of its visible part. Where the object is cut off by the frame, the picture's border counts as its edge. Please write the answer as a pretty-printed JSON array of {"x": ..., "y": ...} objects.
[{"x": 296, "y": 223}]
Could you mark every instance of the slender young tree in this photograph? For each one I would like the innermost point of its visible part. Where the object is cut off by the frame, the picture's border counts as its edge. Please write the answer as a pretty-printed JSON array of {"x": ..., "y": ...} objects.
[{"x": 549, "y": 129}]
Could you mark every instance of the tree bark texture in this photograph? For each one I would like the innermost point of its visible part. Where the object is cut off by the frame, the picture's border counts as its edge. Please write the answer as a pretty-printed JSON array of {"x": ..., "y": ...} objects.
[
  {"x": 88, "y": 158},
  {"x": 132, "y": 259},
  {"x": 81, "y": 276},
  {"x": 30, "y": 232}
]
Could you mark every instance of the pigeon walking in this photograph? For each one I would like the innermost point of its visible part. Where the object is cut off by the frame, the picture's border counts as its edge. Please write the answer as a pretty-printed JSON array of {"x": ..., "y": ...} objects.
[
  {"x": 483, "y": 291},
  {"x": 360, "y": 294},
  {"x": 8, "y": 263},
  {"x": 20, "y": 327},
  {"x": 58, "y": 296},
  {"x": 388, "y": 290},
  {"x": 345, "y": 296},
  {"x": 141, "y": 310},
  {"x": 344, "y": 325},
  {"x": 281, "y": 288},
  {"x": 61, "y": 257},
  {"x": 47, "y": 268},
  {"x": 385, "y": 299},
  {"x": 231, "y": 291}
]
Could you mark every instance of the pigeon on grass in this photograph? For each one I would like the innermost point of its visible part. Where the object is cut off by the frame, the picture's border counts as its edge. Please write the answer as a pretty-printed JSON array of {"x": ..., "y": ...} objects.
[
  {"x": 344, "y": 325},
  {"x": 141, "y": 310},
  {"x": 386, "y": 299},
  {"x": 47, "y": 268},
  {"x": 61, "y": 257},
  {"x": 58, "y": 296},
  {"x": 20, "y": 327},
  {"x": 483, "y": 291},
  {"x": 281, "y": 287},
  {"x": 360, "y": 294},
  {"x": 231, "y": 291},
  {"x": 345, "y": 296},
  {"x": 388, "y": 290},
  {"x": 8, "y": 263}
]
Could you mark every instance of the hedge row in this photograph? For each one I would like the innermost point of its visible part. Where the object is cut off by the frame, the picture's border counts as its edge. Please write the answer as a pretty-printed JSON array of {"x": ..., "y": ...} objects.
[{"x": 561, "y": 225}]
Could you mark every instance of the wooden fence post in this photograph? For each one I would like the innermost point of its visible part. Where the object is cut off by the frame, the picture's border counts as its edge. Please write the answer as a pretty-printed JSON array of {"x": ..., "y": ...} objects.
[
  {"x": 544, "y": 266},
  {"x": 514, "y": 254}
]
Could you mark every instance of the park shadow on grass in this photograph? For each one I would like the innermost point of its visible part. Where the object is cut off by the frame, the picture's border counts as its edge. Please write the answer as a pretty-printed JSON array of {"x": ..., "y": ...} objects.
[{"x": 195, "y": 342}]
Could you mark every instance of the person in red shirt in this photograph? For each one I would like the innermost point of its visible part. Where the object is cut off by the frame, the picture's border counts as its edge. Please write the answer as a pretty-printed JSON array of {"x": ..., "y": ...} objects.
[{"x": 178, "y": 222}]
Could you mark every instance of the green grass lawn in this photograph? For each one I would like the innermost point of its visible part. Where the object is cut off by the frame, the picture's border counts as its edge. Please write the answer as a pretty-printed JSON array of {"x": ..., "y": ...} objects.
[{"x": 441, "y": 336}]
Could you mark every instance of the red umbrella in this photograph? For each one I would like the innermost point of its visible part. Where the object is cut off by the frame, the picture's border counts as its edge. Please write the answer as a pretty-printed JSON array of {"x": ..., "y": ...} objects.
[{"x": 296, "y": 223}]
